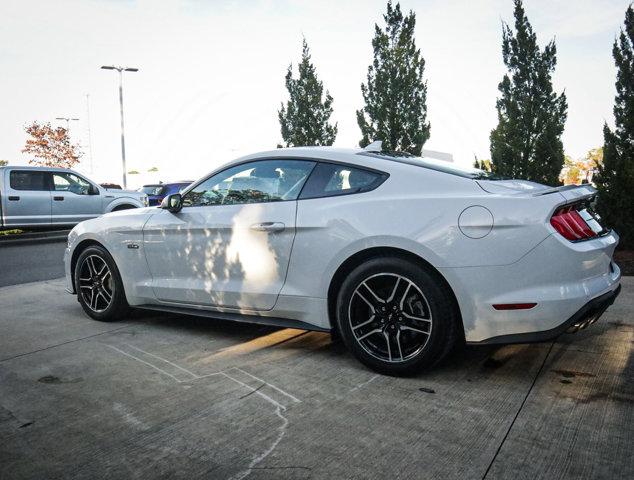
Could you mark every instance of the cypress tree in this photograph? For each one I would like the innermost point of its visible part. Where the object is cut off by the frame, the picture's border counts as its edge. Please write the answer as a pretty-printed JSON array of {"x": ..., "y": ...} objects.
[
  {"x": 305, "y": 118},
  {"x": 395, "y": 95},
  {"x": 531, "y": 116},
  {"x": 615, "y": 177}
]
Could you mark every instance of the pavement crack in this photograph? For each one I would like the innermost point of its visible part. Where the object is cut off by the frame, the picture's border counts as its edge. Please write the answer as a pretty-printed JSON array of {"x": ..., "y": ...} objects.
[
  {"x": 251, "y": 392},
  {"x": 61, "y": 344},
  {"x": 517, "y": 414}
]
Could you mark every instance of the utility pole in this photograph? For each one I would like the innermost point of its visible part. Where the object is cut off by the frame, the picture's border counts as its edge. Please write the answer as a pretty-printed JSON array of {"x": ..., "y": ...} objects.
[
  {"x": 88, "y": 127},
  {"x": 121, "y": 70}
]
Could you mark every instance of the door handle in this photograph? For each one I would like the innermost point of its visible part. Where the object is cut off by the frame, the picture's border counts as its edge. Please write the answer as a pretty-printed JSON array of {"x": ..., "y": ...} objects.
[
  {"x": 268, "y": 227},
  {"x": 58, "y": 199},
  {"x": 13, "y": 198}
]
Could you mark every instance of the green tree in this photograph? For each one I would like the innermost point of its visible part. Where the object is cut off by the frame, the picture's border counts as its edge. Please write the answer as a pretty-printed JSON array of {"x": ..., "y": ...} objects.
[
  {"x": 4, "y": 163},
  {"x": 615, "y": 177},
  {"x": 483, "y": 164},
  {"x": 395, "y": 96},
  {"x": 531, "y": 116},
  {"x": 305, "y": 118}
]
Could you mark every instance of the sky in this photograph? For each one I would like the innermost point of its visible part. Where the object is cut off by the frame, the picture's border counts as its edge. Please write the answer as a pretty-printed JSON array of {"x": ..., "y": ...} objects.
[{"x": 211, "y": 73}]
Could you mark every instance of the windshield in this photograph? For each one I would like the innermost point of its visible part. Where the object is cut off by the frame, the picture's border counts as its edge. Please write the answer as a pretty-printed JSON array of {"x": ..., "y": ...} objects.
[
  {"x": 151, "y": 189},
  {"x": 433, "y": 164}
]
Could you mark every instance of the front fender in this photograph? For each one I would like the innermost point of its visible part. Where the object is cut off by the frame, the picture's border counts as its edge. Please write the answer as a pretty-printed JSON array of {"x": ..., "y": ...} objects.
[{"x": 121, "y": 234}]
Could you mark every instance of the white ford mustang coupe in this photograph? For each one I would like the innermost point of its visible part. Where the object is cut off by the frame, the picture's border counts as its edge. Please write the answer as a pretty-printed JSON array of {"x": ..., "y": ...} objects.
[{"x": 403, "y": 256}]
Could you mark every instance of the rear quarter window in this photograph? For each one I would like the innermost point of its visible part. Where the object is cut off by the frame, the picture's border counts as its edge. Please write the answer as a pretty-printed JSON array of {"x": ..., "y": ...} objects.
[{"x": 329, "y": 179}]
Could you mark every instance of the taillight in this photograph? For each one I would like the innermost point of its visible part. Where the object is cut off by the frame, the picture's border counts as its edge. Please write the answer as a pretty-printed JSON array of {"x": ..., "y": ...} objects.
[{"x": 575, "y": 223}]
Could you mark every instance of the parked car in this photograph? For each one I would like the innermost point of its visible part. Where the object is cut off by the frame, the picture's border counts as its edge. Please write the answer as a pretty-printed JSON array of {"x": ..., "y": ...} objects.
[
  {"x": 41, "y": 196},
  {"x": 111, "y": 186},
  {"x": 405, "y": 257},
  {"x": 156, "y": 192}
]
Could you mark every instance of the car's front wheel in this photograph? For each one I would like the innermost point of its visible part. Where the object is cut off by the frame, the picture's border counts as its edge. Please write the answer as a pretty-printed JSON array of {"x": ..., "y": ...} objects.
[
  {"x": 98, "y": 284},
  {"x": 395, "y": 316}
]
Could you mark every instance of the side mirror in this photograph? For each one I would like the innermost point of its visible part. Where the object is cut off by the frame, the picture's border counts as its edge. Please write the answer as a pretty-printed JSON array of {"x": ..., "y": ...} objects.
[
  {"x": 172, "y": 203},
  {"x": 93, "y": 190}
]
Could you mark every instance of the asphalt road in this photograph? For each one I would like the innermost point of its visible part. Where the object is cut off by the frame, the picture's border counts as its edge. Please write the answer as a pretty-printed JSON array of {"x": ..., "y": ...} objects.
[
  {"x": 169, "y": 396},
  {"x": 31, "y": 262}
]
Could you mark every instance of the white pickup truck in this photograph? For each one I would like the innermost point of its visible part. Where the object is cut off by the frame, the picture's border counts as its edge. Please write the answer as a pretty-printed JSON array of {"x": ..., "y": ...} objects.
[{"x": 41, "y": 196}]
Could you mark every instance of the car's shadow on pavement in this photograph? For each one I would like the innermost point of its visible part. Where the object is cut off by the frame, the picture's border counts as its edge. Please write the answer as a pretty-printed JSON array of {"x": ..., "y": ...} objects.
[{"x": 476, "y": 360}]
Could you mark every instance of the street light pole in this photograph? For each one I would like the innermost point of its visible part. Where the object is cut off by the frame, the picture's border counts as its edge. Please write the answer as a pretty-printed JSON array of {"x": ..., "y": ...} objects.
[
  {"x": 121, "y": 70},
  {"x": 89, "y": 135}
]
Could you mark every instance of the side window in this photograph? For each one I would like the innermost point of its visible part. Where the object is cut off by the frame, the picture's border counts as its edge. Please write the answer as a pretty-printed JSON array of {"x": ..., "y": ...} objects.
[
  {"x": 329, "y": 179},
  {"x": 67, "y": 182},
  {"x": 153, "y": 189},
  {"x": 28, "y": 180},
  {"x": 253, "y": 182}
]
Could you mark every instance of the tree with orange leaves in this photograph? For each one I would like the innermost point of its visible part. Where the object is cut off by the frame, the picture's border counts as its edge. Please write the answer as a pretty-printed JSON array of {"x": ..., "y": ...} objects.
[{"x": 50, "y": 147}]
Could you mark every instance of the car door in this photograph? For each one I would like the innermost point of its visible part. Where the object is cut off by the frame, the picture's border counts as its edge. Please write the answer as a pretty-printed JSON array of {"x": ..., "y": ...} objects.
[
  {"x": 27, "y": 200},
  {"x": 231, "y": 243},
  {"x": 74, "y": 199}
]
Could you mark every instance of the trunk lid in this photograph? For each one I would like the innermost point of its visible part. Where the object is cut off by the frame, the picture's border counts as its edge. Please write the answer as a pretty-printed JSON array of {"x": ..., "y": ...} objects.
[{"x": 511, "y": 187}]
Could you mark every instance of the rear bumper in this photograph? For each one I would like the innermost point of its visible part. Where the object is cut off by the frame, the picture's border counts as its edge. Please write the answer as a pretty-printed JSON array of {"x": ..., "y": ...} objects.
[
  {"x": 585, "y": 316},
  {"x": 561, "y": 277}
]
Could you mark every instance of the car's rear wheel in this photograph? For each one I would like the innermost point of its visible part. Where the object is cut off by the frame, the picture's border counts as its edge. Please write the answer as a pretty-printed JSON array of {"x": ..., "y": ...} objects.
[
  {"x": 98, "y": 284},
  {"x": 396, "y": 317}
]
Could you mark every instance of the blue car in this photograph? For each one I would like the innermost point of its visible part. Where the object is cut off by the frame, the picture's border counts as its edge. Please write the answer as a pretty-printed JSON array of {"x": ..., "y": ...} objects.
[{"x": 157, "y": 192}]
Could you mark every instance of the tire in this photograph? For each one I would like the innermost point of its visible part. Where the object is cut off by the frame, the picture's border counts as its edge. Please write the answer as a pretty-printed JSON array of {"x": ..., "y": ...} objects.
[
  {"x": 396, "y": 317},
  {"x": 123, "y": 207},
  {"x": 99, "y": 286}
]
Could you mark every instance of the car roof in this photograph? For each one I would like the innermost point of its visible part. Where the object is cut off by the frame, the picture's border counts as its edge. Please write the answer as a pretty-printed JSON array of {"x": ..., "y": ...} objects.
[
  {"x": 380, "y": 160},
  {"x": 37, "y": 168},
  {"x": 347, "y": 155}
]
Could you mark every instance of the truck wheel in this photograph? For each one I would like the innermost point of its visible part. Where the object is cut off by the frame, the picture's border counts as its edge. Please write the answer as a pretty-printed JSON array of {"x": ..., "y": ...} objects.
[{"x": 123, "y": 207}]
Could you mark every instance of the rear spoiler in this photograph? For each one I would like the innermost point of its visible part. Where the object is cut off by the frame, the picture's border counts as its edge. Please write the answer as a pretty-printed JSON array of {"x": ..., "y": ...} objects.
[{"x": 572, "y": 193}]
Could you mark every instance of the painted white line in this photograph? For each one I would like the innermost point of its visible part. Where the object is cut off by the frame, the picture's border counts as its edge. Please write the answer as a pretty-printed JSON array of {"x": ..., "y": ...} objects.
[
  {"x": 279, "y": 408},
  {"x": 144, "y": 362},
  {"x": 292, "y": 397},
  {"x": 207, "y": 375},
  {"x": 361, "y": 385},
  {"x": 164, "y": 360}
]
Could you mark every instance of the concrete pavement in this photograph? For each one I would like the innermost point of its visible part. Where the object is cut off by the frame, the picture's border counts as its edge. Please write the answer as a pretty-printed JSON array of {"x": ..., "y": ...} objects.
[{"x": 179, "y": 397}]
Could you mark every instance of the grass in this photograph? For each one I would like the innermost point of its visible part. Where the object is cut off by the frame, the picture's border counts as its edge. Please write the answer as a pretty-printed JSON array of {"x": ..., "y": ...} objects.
[{"x": 15, "y": 231}]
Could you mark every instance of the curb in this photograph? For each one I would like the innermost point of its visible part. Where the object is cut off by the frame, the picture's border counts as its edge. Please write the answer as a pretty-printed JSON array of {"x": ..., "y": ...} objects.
[{"x": 34, "y": 237}]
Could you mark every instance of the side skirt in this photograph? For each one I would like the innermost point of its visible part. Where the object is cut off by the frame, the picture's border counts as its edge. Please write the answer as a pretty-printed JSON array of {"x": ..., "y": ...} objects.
[{"x": 236, "y": 317}]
